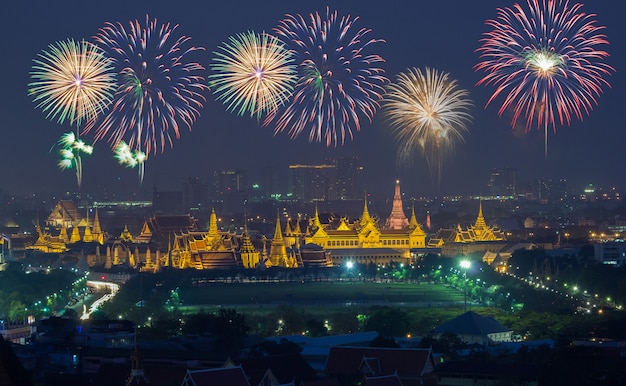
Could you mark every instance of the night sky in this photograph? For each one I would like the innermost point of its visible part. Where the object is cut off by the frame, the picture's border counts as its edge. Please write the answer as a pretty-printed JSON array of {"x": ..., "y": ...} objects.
[{"x": 439, "y": 34}]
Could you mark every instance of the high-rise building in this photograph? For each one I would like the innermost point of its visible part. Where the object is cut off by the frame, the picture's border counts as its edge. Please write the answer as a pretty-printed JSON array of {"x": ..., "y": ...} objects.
[
  {"x": 167, "y": 202},
  {"x": 502, "y": 182},
  {"x": 337, "y": 179},
  {"x": 195, "y": 195},
  {"x": 550, "y": 191},
  {"x": 229, "y": 190},
  {"x": 225, "y": 181},
  {"x": 310, "y": 183},
  {"x": 348, "y": 178}
]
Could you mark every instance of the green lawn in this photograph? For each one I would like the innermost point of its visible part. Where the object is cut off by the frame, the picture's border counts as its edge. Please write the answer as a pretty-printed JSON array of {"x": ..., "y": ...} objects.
[{"x": 318, "y": 293}]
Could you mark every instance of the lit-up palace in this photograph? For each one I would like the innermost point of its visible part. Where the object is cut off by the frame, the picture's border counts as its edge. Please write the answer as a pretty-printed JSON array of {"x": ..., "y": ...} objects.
[{"x": 176, "y": 241}]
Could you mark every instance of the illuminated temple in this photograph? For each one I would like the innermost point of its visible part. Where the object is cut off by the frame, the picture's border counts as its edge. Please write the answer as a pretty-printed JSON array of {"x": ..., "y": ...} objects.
[
  {"x": 364, "y": 241},
  {"x": 176, "y": 241},
  {"x": 477, "y": 237},
  {"x": 72, "y": 228},
  {"x": 224, "y": 250}
]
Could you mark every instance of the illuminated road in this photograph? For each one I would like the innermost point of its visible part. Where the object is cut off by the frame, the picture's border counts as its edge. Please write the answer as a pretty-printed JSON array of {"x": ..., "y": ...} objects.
[{"x": 109, "y": 291}]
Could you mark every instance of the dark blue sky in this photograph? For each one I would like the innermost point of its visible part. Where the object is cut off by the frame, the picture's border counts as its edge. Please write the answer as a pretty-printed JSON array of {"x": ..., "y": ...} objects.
[{"x": 439, "y": 34}]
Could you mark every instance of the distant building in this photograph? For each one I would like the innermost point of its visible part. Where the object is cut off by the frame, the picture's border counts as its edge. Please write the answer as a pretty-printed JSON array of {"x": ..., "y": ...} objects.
[
  {"x": 502, "y": 182},
  {"x": 413, "y": 366},
  {"x": 337, "y": 179},
  {"x": 348, "y": 178},
  {"x": 478, "y": 372},
  {"x": 229, "y": 190},
  {"x": 233, "y": 376},
  {"x": 550, "y": 191},
  {"x": 310, "y": 183},
  {"x": 477, "y": 237},
  {"x": 473, "y": 328},
  {"x": 167, "y": 202},
  {"x": 397, "y": 219},
  {"x": 195, "y": 195},
  {"x": 611, "y": 253},
  {"x": 363, "y": 241}
]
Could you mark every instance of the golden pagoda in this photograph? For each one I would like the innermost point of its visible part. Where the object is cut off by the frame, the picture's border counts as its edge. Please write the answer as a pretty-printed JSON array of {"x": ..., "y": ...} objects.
[
  {"x": 47, "y": 243},
  {"x": 278, "y": 250},
  {"x": 459, "y": 239},
  {"x": 364, "y": 239},
  {"x": 249, "y": 254},
  {"x": 479, "y": 231}
]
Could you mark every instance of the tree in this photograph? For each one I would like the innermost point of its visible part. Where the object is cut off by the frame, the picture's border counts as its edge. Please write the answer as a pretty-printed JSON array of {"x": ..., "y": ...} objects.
[{"x": 389, "y": 322}]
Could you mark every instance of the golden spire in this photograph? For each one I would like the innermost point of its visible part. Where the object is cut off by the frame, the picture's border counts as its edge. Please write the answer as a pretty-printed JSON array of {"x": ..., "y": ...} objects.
[
  {"x": 63, "y": 235},
  {"x": 413, "y": 221},
  {"x": 297, "y": 231},
  {"x": 365, "y": 217},
  {"x": 75, "y": 236},
  {"x": 87, "y": 237},
  {"x": 213, "y": 232},
  {"x": 278, "y": 233},
  {"x": 96, "y": 224},
  {"x": 480, "y": 220},
  {"x": 126, "y": 236},
  {"x": 316, "y": 220},
  {"x": 278, "y": 250},
  {"x": 249, "y": 254},
  {"x": 288, "y": 231}
]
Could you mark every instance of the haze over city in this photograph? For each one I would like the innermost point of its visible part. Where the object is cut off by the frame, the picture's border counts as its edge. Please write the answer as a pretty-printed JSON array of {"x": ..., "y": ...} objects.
[{"x": 443, "y": 35}]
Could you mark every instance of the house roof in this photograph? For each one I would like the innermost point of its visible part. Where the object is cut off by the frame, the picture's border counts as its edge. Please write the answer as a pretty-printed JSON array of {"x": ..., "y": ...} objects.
[
  {"x": 111, "y": 373},
  {"x": 384, "y": 380},
  {"x": 12, "y": 371},
  {"x": 479, "y": 368},
  {"x": 321, "y": 382},
  {"x": 471, "y": 323},
  {"x": 231, "y": 376},
  {"x": 285, "y": 368},
  {"x": 404, "y": 362}
]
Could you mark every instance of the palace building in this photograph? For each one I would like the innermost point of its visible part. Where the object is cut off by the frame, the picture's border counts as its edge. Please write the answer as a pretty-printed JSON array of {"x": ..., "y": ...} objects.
[
  {"x": 364, "y": 241},
  {"x": 64, "y": 217},
  {"x": 477, "y": 237}
]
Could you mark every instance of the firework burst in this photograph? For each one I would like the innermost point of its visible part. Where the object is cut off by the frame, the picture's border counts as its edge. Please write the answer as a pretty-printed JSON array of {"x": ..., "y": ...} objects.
[
  {"x": 253, "y": 73},
  {"x": 339, "y": 82},
  {"x": 429, "y": 113},
  {"x": 546, "y": 61},
  {"x": 71, "y": 149},
  {"x": 72, "y": 81},
  {"x": 128, "y": 157},
  {"x": 159, "y": 88}
]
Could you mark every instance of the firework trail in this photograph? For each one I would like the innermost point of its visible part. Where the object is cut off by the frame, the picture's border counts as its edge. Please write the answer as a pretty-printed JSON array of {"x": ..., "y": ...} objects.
[
  {"x": 546, "y": 61},
  {"x": 429, "y": 113}
]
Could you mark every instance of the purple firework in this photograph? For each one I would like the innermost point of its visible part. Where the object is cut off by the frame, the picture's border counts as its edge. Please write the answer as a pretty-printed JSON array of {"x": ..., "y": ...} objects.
[{"x": 340, "y": 81}]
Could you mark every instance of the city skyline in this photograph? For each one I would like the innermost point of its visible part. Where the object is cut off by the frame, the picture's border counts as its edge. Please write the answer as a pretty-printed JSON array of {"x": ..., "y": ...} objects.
[{"x": 443, "y": 35}]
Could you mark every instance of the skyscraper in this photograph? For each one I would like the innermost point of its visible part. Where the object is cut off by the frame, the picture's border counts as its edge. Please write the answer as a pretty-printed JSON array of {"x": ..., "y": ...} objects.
[
  {"x": 310, "y": 183},
  {"x": 348, "y": 178},
  {"x": 502, "y": 182}
]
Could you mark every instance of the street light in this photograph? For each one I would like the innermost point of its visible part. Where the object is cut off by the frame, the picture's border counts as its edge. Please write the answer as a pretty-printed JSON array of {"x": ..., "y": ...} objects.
[{"x": 465, "y": 264}]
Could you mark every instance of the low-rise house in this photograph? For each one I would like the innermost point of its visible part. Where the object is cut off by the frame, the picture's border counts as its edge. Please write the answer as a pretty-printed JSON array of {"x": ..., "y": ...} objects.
[
  {"x": 473, "y": 328},
  {"x": 355, "y": 364}
]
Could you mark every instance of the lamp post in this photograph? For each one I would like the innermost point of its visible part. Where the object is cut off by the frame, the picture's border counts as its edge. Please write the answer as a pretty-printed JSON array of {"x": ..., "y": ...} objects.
[{"x": 465, "y": 264}]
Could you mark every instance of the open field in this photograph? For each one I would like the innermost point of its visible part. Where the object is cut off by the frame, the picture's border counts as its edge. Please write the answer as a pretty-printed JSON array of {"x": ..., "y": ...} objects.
[{"x": 318, "y": 294}]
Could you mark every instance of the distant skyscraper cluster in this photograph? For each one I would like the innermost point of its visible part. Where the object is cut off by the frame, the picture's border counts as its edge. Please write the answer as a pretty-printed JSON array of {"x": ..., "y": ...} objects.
[
  {"x": 502, "y": 182},
  {"x": 337, "y": 179}
]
